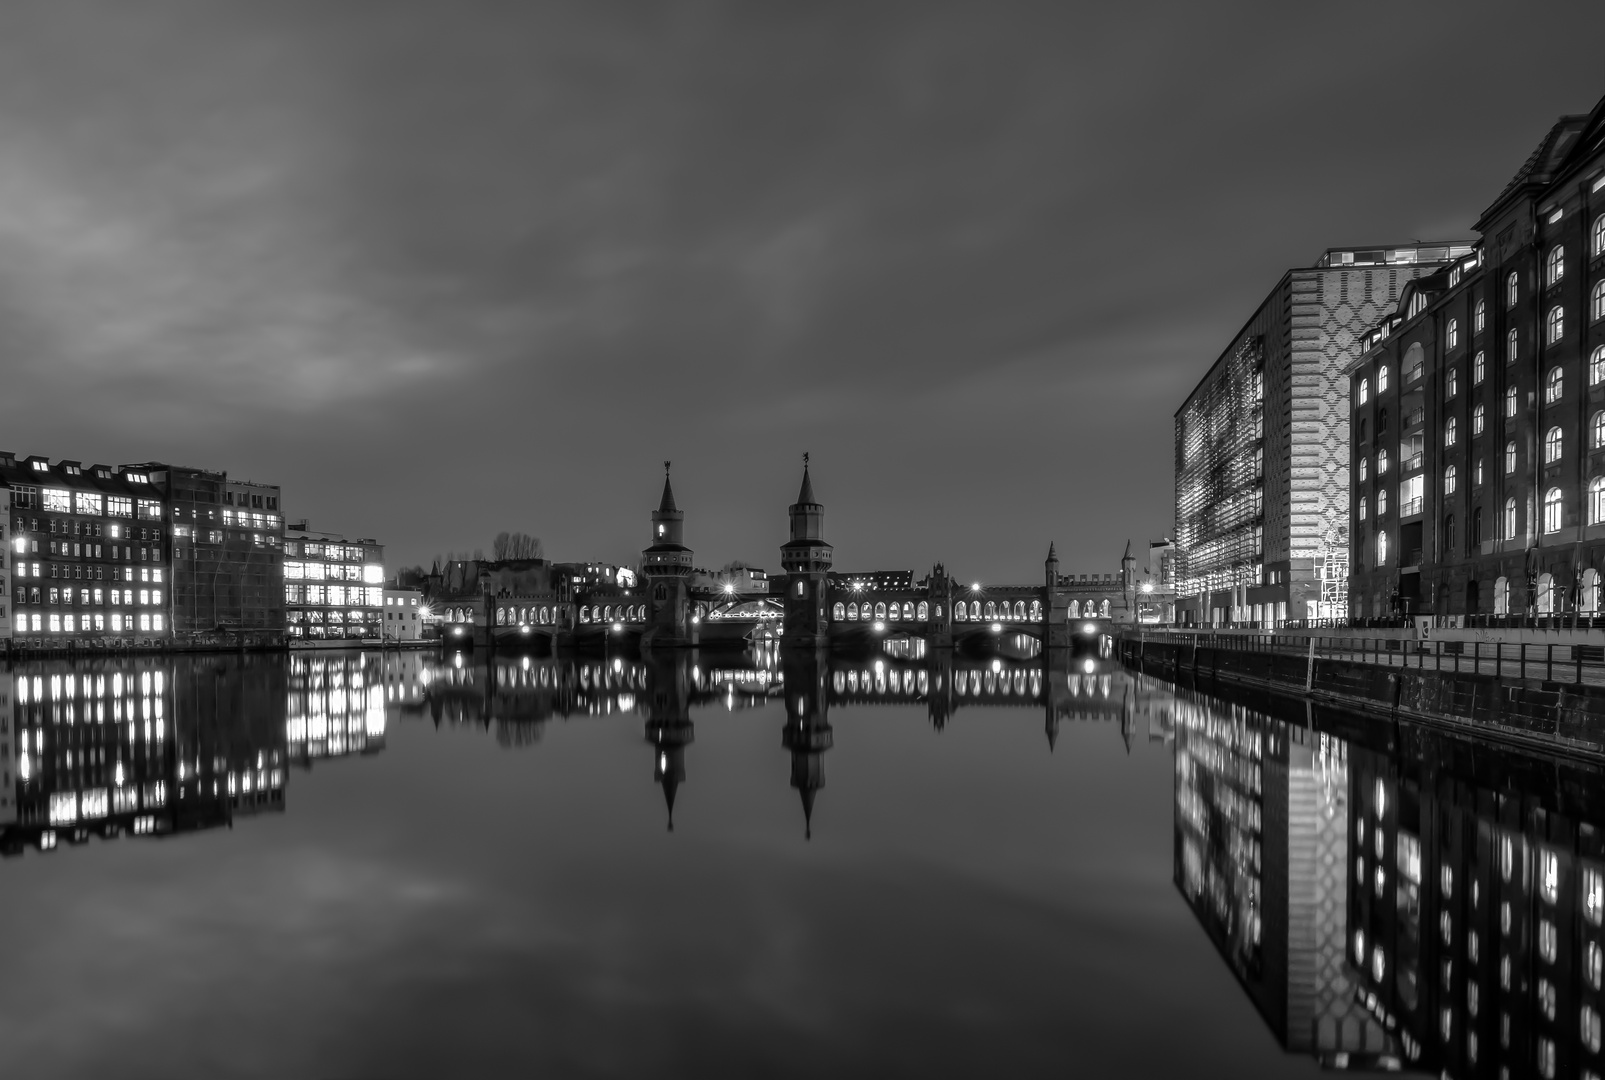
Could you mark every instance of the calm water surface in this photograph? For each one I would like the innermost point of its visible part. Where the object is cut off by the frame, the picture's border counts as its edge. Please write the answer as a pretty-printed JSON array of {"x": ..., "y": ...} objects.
[{"x": 366, "y": 865}]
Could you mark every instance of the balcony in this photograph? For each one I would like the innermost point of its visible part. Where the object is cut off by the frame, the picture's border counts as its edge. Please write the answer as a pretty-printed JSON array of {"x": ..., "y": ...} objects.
[{"x": 1407, "y": 509}]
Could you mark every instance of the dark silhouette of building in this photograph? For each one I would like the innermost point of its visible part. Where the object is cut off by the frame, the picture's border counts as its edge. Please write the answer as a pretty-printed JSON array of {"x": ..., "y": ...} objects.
[
  {"x": 806, "y": 560},
  {"x": 807, "y": 734},
  {"x": 666, "y": 568}
]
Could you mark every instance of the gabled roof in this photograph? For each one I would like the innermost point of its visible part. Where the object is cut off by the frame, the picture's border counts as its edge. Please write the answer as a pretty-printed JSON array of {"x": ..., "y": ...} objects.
[{"x": 1569, "y": 139}]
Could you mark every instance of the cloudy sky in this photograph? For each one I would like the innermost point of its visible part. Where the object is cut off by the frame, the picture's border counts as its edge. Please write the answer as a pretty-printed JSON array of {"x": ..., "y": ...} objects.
[{"x": 442, "y": 269}]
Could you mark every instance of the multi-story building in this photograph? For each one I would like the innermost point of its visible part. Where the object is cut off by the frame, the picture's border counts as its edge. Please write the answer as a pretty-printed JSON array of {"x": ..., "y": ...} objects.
[
  {"x": 89, "y": 562},
  {"x": 403, "y": 617},
  {"x": 6, "y": 552},
  {"x": 227, "y": 546},
  {"x": 1488, "y": 383},
  {"x": 333, "y": 587},
  {"x": 1261, "y": 477}
]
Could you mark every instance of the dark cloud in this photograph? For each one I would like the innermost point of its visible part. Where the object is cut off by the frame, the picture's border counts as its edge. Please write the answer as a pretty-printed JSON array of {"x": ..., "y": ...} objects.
[{"x": 442, "y": 270}]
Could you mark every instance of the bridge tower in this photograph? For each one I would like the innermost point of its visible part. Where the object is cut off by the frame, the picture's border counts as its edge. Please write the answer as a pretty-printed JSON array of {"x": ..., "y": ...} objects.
[
  {"x": 807, "y": 734},
  {"x": 666, "y": 567},
  {"x": 939, "y": 595},
  {"x": 1055, "y": 604},
  {"x": 806, "y": 560}
]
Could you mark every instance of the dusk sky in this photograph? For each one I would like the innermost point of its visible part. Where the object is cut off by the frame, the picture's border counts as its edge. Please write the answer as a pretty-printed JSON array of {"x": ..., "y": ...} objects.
[{"x": 444, "y": 269}]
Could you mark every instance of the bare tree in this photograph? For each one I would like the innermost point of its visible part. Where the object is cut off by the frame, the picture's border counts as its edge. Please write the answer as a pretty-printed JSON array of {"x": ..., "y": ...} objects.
[{"x": 516, "y": 545}]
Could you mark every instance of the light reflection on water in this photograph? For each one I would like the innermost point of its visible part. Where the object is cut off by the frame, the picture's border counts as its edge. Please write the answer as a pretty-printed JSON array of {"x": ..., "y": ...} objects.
[{"x": 902, "y": 862}]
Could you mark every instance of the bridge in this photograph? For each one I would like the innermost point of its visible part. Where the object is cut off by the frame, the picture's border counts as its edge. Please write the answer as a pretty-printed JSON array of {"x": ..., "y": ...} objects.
[{"x": 809, "y": 605}]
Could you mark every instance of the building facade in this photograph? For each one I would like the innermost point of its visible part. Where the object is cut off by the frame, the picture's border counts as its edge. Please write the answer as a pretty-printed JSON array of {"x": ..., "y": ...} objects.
[
  {"x": 403, "y": 614},
  {"x": 1478, "y": 409},
  {"x": 1261, "y": 487},
  {"x": 333, "y": 587}
]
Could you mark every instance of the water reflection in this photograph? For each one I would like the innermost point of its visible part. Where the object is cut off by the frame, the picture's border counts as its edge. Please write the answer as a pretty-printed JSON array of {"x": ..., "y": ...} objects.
[{"x": 1395, "y": 896}]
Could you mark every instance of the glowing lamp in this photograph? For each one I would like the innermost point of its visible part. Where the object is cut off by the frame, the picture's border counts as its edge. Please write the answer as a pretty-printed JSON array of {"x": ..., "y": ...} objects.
[
  {"x": 1089, "y": 628},
  {"x": 997, "y": 628}
]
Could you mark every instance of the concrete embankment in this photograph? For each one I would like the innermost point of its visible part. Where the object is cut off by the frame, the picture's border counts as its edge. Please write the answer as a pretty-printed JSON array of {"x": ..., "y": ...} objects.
[{"x": 1568, "y": 717}]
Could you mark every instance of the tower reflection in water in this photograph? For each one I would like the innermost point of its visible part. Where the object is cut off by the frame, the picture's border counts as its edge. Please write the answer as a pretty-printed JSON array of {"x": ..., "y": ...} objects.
[{"x": 1399, "y": 897}]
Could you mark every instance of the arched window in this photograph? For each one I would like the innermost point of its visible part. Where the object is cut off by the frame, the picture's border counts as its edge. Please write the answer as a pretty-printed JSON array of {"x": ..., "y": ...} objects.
[
  {"x": 1546, "y": 594},
  {"x": 1382, "y": 422},
  {"x": 959, "y": 614},
  {"x": 894, "y": 610},
  {"x": 1512, "y": 289},
  {"x": 838, "y": 611},
  {"x": 1382, "y": 379},
  {"x": 546, "y": 616},
  {"x": 1479, "y": 317},
  {"x": 585, "y": 614},
  {"x": 1510, "y": 402},
  {"x": 1365, "y": 504},
  {"x": 1479, "y": 419},
  {"x": 799, "y": 589},
  {"x": 1552, "y": 510},
  {"x": 908, "y": 609},
  {"x": 1479, "y": 369},
  {"x": 501, "y": 616},
  {"x": 1382, "y": 549},
  {"x": 1554, "y": 385},
  {"x": 852, "y": 612},
  {"x": 1449, "y": 432},
  {"x": 1036, "y": 611},
  {"x": 1365, "y": 391},
  {"x": 1453, "y": 333},
  {"x": 991, "y": 610},
  {"x": 1510, "y": 518},
  {"x": 880, "y": 609},
  {"x": 1451, "y": 383},
  {"x": 1502, "y": 596},
  {"x": 1597, "y": 236},
  {"x": 1365, "y": 469},
  {"x": 1074, "y": 610},
  {"x": 1552, "y": 445},
  {"x": 1449, "y": 480},
  {"x": 1555, "y": 325},
  {"x": 923, "y": 612},
  {"x": 1382, "y": 462},
  {"x": 1449, "y": 534},
  {"x": 1555, "y": 265},
  {"x": 1512, "y": 346},
  {"x": 975, "y": 611},
  {"x": 1588, "y": 593},
  {"x": 1596, "y": 303},
  {"x": 1510, "y": 457},
  {"x": 1019, "y": 609},
  {"x": 1596, "y": 500},
  {"x": 1382, "y": 502},
  {"x": 1596, "y": 366}
]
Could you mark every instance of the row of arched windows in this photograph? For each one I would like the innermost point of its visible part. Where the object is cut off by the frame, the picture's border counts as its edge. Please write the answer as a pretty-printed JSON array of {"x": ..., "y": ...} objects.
[
  {"x": 1092, "y": 609},
  {"x": 992, "y": 610},
  {"x": 907, "y": 611},
  {"x": 1549, "y": 597},
  {"x": 606, "y": 613},
  {"x": 525, "y": 616}
]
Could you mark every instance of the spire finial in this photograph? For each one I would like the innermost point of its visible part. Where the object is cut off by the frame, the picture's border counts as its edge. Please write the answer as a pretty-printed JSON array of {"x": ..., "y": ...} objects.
[
  {"x": 805, "y": 459},
  {"x": 665, "y": 466}
]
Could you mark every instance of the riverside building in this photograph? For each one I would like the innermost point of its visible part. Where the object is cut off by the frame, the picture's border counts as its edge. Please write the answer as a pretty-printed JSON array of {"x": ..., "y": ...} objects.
[
  {"x": 333, "y": 587},
  {"x": 1478, "y": 409},
  {"x": 1262, "y": 486}
]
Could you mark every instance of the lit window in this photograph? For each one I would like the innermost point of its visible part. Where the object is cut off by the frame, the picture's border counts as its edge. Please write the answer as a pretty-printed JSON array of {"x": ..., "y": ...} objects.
[
  {"x": 1510, "y": 401},
  {"x": 1382, "y": 560},
  {"x": 1479, "y": 369},
  {"x": 1449, "y": 430},
  {"x": 1451, "y": 383},
  {"x": 1382, "y": 502},
  {"x": 1554, "y": 385},
  {"x": 1479, "y": 419},
  {"x": 1453, "y": 334},
  {"x": 1365, "y": 468},
  {"x": 1382, "y": 379},
  {"x": 1555, "y": 265},
  {"x": 1552, "y": 445},
  {"x": 1364, "y": 504},
  {"x": 1479, "y": 317},
  {"x": 1449, "y": 480},
  {"x": 1512, "y": 346},
  {"x": 1365, "y": 391},
  {"x": 1382, "y": 462},
  {"x": 1510, "y": 518},
  {"x": 1596, "y": 505},
  {"x": 1512, "y": 289},
  {"x": 1596, "y": 305},
  {"x": 1554, "y": 325}
]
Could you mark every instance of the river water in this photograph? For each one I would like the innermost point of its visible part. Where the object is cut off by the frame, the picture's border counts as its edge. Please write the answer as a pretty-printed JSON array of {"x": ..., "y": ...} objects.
[{"x": 383, "y": 865}]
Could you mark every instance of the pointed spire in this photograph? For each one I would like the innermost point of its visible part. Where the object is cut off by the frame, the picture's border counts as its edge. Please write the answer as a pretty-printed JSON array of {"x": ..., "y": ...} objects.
[
  {"x": 1053, "y": 555},
  {"x": 808, "y": 812},
  {"x": 671, "y": 784},
  {"x": 667, "y": 505},
  {"x": 806, "y": 495}
]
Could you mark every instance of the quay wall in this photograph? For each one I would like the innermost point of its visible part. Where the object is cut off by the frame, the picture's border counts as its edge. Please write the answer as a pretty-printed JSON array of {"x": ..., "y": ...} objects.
[{"x": 1532, "y": 713}]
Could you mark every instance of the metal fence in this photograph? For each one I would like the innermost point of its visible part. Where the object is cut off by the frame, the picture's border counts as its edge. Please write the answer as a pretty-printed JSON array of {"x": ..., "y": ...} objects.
[{"x": 1571, "y": 663}]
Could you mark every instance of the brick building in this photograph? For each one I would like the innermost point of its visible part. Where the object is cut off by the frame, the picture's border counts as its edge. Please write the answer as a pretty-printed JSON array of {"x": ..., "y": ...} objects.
[
  {"x": 1261, "y": 475},
  {"x": 1478, "y": 405}
]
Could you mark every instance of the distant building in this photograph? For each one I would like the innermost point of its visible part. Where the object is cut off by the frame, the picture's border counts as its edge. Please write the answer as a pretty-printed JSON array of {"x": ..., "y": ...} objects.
[
  {"x": 1478, "y": 468},
  {"x": 1261, "y": 476},
  {"x": 333, "y": 587},
  {"x": 402, "y": 615}
]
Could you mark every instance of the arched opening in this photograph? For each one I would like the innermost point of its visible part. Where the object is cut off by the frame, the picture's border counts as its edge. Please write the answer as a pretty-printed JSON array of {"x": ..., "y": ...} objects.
[
  {"x": 1036, "y": 611},
  {"x": 1019, "y": 609},
  {"x": 1546, "y": 594},
  {"x": 923, "y": 612},
  {"x": 960, "y": 614},
  {"x": 908, "y": 609},
  {"x": 838, "y": 611},
  {"x": 1103, "y": 609},
  {"x": 991, "y": 610},
  {"x": 1074, "y": 609},
  {"x": 852, "y": 611},
  {"x": 880, "y": 609},
  {"x": 1588, "y": 592},
  {"x": 1502, "y": 596},
  {"x": 585, "y": 613}
]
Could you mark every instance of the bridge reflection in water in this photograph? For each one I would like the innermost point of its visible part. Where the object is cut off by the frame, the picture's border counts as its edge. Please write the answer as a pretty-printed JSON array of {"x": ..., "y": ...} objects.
[{"x": 1396, "y": 897}]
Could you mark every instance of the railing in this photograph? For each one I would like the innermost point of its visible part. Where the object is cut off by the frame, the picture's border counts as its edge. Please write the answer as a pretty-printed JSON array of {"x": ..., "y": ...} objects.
[{"x": 1572, "y": 663}]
